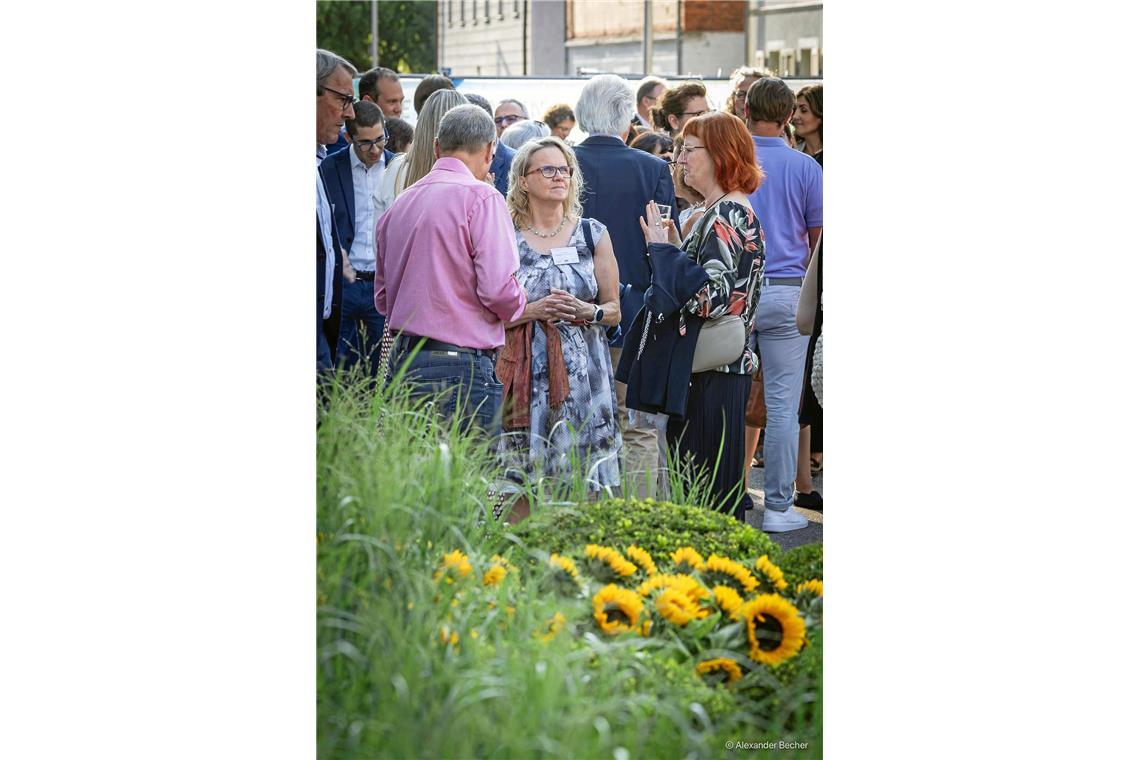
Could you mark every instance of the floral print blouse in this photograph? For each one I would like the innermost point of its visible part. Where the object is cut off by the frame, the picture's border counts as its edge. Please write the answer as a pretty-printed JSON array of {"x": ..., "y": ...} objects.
[{"x": 729, "y": 243}]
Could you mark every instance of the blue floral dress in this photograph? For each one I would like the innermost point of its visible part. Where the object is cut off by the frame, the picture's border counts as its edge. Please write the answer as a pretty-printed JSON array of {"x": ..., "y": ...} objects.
[{"x": 582, "y": 435}]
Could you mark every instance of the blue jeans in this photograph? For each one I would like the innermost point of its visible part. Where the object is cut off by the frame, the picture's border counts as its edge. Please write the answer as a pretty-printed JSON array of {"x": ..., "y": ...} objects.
[
  {"x": 782, "y": 354},
  {"x": 361, "y": 326},
  {"x": 457, "y": 382}
]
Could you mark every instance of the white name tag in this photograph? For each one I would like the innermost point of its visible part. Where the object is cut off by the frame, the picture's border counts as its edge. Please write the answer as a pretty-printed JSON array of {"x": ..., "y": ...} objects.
[{"x": 564, "y": 255}]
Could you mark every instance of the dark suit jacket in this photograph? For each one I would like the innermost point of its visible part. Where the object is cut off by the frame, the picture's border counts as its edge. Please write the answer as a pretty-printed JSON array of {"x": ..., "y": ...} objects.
[
  {"x": 619, "y": 181},
  {"x": 501, "y": 167},
  {"x": 330, "y": 328},
  {"x": 337, "y": 171}
]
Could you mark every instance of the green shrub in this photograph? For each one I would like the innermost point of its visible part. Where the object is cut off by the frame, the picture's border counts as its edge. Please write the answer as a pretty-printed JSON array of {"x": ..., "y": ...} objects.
[
  {"x": 657, "y": 527},
  {"x": 801, "y": 563}
]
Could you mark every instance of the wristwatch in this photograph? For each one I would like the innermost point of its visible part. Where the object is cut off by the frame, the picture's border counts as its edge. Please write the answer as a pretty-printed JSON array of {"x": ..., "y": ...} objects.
[{"x": 598, "y": 315}]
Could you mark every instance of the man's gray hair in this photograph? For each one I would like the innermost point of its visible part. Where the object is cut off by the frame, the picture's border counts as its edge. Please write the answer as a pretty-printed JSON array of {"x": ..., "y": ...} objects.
[
  {"x": 467, "y": 128},
  {"x": 526, "y": 114},
  {"x": 327, "y": 63},
  {"x": 605, "y": 106},
  {"x": 522, "y": 132}
]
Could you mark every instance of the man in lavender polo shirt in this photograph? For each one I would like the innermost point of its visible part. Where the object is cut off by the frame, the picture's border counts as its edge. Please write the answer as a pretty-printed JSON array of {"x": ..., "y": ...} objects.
[
  {"x": 789, "y": 203},
  {"x": 445, "y": 264}
]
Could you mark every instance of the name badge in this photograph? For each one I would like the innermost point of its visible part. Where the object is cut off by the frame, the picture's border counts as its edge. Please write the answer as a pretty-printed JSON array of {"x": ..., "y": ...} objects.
[{"x": 563, "y": 256}]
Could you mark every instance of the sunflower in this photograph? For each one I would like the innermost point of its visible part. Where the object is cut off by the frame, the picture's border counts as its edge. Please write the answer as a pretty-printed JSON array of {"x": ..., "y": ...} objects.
[
  {"x": 553, "y": 626},
  {"x": 720, "y": 665},
  {"x": 775, "y": 629},
  {"x": 641, "y": 557},
  {"x": 773, "y": 574},
  {"x": 457, "y": 561},
  {"x": 687, "y": 560},
  {"x": 565, "y": 564},
  {"x": 607, "y": 559},
  {"x": 499, "y": 559},
  {"x": 676, "y": 606},
  {"x": 729, "y": 573},
  {"x": 813, "y": 586},
  {"x": 493, "y": 575},
  {"x": 617, "y": 609},
  {"x": 686, "y": 584},
  {"x": 727, "y": 599}
]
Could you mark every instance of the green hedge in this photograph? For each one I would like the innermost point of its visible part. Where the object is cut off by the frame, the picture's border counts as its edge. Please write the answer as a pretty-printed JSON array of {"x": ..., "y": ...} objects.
[{"x": 658, "y": 527}]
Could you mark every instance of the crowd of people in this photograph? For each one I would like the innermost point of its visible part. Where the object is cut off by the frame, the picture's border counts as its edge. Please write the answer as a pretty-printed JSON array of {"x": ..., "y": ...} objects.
[{"x": 600, "y": 310}]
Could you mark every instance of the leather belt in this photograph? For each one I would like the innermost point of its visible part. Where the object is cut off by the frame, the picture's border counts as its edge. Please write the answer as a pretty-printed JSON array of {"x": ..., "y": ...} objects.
[
  {"x": 782, "y": 281},
  {"x": 431, "y": 344},
  {"x": 369, "y": 276}
]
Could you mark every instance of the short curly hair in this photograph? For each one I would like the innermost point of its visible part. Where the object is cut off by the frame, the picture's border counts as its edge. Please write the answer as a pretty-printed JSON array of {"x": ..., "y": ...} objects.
[{"x": 558, "y": 113}]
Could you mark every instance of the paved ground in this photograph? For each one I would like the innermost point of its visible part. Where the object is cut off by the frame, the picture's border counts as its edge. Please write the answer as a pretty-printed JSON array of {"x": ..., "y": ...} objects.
[{"x": 812, "y": 534}]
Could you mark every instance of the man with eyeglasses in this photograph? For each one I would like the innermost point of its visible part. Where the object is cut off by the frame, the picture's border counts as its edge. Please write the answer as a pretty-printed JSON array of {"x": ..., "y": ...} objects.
[
  {"x": 351, "y": 177},
  {"x": 508, "y": 112},
  {"x": 334, "y": 105}
]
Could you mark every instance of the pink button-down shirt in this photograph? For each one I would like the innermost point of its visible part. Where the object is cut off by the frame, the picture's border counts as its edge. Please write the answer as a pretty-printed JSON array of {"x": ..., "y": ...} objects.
[{"x": 446, "y": 259}]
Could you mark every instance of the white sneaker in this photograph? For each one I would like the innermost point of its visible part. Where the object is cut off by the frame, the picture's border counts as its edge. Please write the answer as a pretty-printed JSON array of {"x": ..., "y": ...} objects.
[{"x": 781, "y": 522}]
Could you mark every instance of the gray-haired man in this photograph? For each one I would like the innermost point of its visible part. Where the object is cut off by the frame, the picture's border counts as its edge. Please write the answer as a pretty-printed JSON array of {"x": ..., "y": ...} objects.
[
  {"x": 445, "y": 263},
  {"x": 334, "y": 105}
]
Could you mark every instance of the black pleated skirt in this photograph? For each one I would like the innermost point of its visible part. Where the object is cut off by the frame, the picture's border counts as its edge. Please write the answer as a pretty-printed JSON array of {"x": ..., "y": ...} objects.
[{"x": 712, "y": 432}]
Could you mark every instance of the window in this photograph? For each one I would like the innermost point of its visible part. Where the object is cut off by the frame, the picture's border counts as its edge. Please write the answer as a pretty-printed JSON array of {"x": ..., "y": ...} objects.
[
  {"x": 501, "y": 10},
  {"x": 516, "y": 9},
  {"x": 448, "y": 13},
  {"x": 486, "y": 11},
  {"x": 463, "y": 12}
]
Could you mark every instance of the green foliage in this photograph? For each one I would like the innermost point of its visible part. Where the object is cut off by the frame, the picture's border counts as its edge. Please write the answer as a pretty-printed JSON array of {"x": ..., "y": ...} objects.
[
  {"x": 409, "y": 665},
  {"x": 801, "y": 563},
  {"x": 406, "y": 40},
  {"x": 657, "y": 527}
]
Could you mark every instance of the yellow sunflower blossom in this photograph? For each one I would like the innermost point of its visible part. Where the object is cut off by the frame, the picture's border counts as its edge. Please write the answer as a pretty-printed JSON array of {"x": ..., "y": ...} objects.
[
  {"x": 617, "y": 609},
  {"x": 684, "y": 583},
  {"x": 773, "y": 573},
  {"x": 565, "y": 564},
  {"x": 493, "y": 575},
  {"x": 720, "y": 665},
  {"x": 687, "y": 560},
  {"x": 553, "y": 626},
  {"x": 642, "y": 558},
  {"x": 676, "y": 606},
  {"x": 447, "y": 635},
  {"x": 733, "y": 572},
  {"x": 813, "y": 586},
  {"x": 775, "y": 628},
  {"x": 457, "y": 561},
  {"x": 609, "y": 557},
  {"x": 499, "y": 559},
  {"x": 727, "y": 599}
]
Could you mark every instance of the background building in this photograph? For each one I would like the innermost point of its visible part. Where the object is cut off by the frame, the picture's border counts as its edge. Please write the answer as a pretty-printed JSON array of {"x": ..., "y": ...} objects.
[{"x": 709, "y": 38}]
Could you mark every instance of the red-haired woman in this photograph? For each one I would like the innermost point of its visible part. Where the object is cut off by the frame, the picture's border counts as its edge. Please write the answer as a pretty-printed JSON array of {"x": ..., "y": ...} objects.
[{"x": 724, "y": 256}]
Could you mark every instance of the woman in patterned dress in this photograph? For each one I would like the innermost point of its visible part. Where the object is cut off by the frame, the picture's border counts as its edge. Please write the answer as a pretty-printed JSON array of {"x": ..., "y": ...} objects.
[
  {"x": 570, "y": 275},
  {"x": 717, "y": 159}
]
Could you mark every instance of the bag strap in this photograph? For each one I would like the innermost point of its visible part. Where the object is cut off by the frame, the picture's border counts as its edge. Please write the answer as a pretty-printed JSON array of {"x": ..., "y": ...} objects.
[{"x": 588, "y": 233}]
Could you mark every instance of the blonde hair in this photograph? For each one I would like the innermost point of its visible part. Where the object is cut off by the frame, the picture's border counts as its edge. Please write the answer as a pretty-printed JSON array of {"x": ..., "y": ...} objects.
[
  {"x": 518, "y": 201},
  {"x": 421, "y": 156}
]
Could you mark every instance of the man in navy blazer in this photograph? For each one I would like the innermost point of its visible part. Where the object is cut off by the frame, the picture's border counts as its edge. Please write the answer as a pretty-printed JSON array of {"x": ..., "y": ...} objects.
[
  {"x": 352, "y": 176},
  {"x": 334, "y": 105},
  {"x": 618, "y": 182}
]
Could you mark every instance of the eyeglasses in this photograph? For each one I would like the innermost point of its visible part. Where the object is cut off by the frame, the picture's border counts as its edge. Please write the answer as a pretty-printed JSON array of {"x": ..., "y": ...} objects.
[
  {"x": 550, "y": 171},
  {"x": 346, "y": 101},
  {"x": 378, "y": 143},
  {"x": 508, "y": 119},
  {"x": 694, "y": 113},
  {"x": 740, "y": 94},
  {"x": 689, "y": 149}
]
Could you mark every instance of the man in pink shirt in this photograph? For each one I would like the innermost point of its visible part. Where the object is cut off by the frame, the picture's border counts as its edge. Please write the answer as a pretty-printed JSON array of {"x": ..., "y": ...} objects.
[{"x": 445, "y": 271}]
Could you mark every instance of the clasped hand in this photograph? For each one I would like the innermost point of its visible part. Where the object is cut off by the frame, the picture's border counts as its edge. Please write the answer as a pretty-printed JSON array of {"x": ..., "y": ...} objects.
[{"x": 560, "y": 305}]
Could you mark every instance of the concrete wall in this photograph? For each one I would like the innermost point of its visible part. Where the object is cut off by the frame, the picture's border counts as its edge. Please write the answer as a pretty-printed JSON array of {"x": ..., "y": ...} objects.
[
  {"x": 473, "y": 45},
  {"x": 546, "y": 51},
  {"x": 792, "y": 30}
]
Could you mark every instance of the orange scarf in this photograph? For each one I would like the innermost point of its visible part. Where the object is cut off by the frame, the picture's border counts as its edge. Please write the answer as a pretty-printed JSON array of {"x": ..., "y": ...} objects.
[{"x": 513, "y": 371}]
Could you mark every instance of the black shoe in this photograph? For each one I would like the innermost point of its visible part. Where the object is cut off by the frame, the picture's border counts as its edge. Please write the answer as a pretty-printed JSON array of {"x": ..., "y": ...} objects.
[{"x": 813, "y": 500}]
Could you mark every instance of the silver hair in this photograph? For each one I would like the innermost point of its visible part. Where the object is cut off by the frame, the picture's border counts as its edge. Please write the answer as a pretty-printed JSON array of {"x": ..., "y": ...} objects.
[
  {"x": 526, "y": 114},
  {"x": 605, "y": 106},
  {"x": 467, "y": 128},
  {"x": 522, "y": 132},
  {"x": 327, "y": 63}
]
